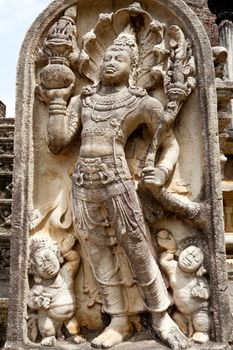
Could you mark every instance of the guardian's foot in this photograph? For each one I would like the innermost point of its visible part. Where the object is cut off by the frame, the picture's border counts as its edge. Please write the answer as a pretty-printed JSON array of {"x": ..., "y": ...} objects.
[
  {"x": 115, "y": 333},
  {"x": 169, "y": 332},
  {"x": 48, "y": 341}
]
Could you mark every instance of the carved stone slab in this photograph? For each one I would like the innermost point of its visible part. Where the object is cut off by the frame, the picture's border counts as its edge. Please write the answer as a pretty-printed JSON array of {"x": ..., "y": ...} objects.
[{"x": 117, "y": 211}]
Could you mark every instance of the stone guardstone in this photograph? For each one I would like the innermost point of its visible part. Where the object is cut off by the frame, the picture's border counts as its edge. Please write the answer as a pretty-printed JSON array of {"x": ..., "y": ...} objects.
[{"x": 117, "y": 232}]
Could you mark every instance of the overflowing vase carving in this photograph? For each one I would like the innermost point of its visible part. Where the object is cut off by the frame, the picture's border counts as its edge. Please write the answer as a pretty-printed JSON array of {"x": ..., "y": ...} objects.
[{"x": 113, "y": 97}]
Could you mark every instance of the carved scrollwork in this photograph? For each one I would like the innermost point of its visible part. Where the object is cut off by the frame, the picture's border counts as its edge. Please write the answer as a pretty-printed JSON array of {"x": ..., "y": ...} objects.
[
  {"x": 5, "y": 217},
  {"x": 6, "y": 167},
  {"x": 4, "y": 258},
  {"x": 6, "y": 133},
  {"x": 179, "y": 80},
  {"x": 6, "y": 190},
  {"x": 6, "y": 149}
]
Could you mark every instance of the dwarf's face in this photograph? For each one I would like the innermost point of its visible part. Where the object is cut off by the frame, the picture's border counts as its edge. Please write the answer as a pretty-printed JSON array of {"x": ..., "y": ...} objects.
[
  {"x": 46, "y": 263},
  {"x": 115, "y": 67},
  {"x": 190, "y": 259}
]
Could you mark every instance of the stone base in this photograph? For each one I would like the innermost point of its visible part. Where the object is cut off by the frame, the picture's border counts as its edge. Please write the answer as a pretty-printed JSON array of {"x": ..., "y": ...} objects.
[
  {"x": 146, "y": 345},
  {"x": 127, "y": 345},
  {"x": 141, "y": 340}
]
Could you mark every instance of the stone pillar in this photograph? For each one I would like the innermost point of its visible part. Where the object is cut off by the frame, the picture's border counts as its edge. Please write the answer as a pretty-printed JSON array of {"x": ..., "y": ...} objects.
[
  {"x": 224, "y": 19},
  {"x": 6, "y": 167},
  {"x": 2, "y": 110},
  {"x": 226, "y": 40}
]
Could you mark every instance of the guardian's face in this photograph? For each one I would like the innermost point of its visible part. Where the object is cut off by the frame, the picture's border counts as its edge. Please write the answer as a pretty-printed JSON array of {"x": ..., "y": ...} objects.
[
  {"x": 47, "y": 264},
  {"x": 115, "y": 67},
  {"x": 190, "y": 259}
]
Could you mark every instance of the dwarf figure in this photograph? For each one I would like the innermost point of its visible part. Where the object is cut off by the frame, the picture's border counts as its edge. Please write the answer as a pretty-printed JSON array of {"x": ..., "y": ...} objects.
[
  {"x": 52, "y": 293},
  {"x": 189, "y": 286}
]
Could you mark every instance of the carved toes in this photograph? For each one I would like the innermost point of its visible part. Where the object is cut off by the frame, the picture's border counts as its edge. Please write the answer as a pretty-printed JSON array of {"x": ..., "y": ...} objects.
[
  {"x": 48, "y": 341},
  {"x": 177, "y": 340},
  {"x": 107, "y": 339},
  {"x": 200, "y": 337},
  {"x": 168, "y": 332}
]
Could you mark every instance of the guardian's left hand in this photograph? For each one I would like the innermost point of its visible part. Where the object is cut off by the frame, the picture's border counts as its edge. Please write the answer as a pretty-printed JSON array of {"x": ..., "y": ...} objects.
[{"x": 153, "y": 177}]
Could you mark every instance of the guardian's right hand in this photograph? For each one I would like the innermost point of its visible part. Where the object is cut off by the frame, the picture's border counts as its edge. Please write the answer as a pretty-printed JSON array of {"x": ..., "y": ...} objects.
[{"x": 56, "y": 95}]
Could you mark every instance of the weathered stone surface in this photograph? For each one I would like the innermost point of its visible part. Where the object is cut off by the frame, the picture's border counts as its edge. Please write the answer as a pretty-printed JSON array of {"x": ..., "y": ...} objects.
[
  {"x": 201, "y": 9},
  {"x": 102, "y": 231}
]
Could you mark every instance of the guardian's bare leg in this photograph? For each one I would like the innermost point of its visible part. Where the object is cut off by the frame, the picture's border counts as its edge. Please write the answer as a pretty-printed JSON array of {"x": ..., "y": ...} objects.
[
  {"x": 104, "y": 269},
  {"x": 146, "y": 271}
]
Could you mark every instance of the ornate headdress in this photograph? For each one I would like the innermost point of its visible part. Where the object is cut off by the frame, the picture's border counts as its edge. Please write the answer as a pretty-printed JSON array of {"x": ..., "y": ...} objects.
[
  {"x": 126, "y": 41},
  {"x": 38, "y": 242}
]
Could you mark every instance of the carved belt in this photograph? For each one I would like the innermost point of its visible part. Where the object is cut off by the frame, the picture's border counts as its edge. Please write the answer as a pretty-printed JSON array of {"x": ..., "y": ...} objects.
[
  {"x": 101, "y": 171},
  {"x": 106, "y": 132},
  {"x": 100, "y": 194}
]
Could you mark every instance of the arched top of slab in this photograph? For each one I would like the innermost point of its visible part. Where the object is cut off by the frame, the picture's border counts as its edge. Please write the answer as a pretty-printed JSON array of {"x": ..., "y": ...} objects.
[{"x": 170, "y": 11}]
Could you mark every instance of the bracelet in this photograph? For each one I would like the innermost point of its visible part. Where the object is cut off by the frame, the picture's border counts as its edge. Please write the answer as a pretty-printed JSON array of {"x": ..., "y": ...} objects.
[
  {"x": 164, "y": 170},
  {"x": 57, "y": 108},
  {"x": 67, "y": 254}
]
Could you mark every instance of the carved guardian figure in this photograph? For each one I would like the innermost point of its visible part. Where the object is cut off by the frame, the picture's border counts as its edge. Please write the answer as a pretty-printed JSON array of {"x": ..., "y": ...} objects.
[{"x": 118, "y": 143}]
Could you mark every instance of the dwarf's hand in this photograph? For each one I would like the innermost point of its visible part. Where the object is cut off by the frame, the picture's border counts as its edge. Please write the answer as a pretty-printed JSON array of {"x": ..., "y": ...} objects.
[
  {"x": 200, "y": 291},
  {"x": 67, "y": 244},
  {"x": 166, "y": 241},
  {"x": 45, "y": 300}
]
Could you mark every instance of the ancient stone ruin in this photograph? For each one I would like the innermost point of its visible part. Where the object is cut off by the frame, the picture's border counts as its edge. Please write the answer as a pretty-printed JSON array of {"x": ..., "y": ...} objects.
[
  {"x": 6, "y": 167},
  {"x": 117, "y": 237}
]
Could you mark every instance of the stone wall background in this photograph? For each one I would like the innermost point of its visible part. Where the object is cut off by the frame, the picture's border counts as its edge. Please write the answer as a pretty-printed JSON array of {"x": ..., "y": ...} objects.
[{"x": 201, "y": 9}]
